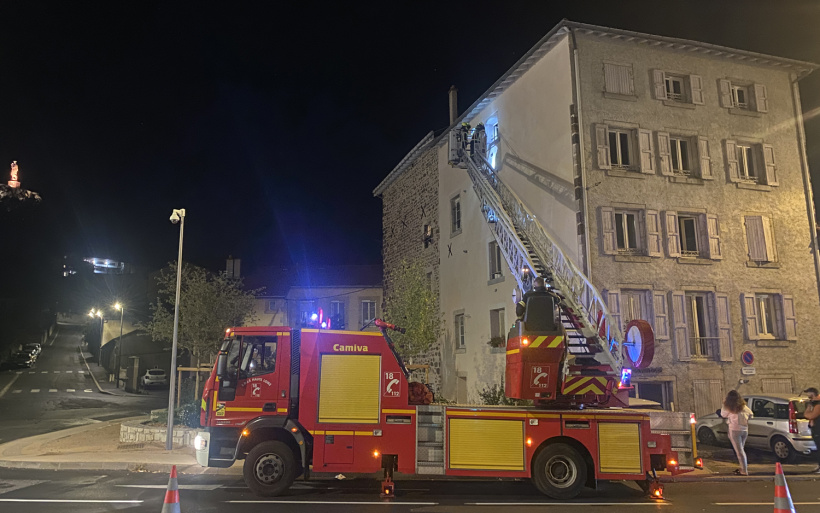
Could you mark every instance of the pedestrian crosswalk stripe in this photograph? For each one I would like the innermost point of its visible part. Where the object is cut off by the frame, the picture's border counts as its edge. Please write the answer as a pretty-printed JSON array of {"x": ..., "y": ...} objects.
[
  {"x": 52, "y": 389},
  {"x": 35, "y": 390},
  {"x": 69, "y": 390}
]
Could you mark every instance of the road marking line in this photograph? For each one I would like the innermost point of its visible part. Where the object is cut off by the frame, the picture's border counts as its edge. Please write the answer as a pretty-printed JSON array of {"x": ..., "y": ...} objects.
[
  {"x": 181, "y": 487},
  {"x": 76, "y": 501},
  {"x": 393, "y": 503},
  {"x": 44, "y": 372},
  {"x": 69, "y": 390},
  {"x": 564, "y": 504},
  {"x": 56, "y": 372},
  {"x": 16, "y": 391},
  {"x": 87, "y": 390},
  {"x": 68, "y": 372},
  {"x": 52, "y": 389},
  {"x": 6, "y": 388},
  {"x": 32, "y": 372},
  {"x": 19, "y": 372},
  {"x": 759, "y": 503},
  {"x": 35, "y": 390}
]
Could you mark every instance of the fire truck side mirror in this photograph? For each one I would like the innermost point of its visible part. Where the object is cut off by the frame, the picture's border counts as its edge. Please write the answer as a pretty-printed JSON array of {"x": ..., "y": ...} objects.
[{"x": 221, "y": 365}]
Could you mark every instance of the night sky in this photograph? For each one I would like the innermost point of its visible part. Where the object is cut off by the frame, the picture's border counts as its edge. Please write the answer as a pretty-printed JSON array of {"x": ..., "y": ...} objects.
[{"x": 272, "y": 122}]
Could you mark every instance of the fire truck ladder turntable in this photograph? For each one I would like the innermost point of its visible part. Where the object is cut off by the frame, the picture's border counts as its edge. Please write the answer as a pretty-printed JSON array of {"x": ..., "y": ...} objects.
[{"x": 594, "y": 337}]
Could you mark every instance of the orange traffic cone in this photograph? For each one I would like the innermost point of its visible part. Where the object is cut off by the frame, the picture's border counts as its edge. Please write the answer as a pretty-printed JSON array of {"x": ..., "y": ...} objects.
[
  {"x": 171, "y": 504},
  {"x": 782, "y": 498}
]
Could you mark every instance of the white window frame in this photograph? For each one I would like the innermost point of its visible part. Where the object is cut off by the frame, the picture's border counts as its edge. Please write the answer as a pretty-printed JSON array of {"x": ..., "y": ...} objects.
[
  {"x": 455, "y": 215},
  {"x": 335, "y": 311},
  {"x": 677, "y": 152},
  {"x": 368, "y": 303},
  {"x": 616, "y": 149},
  {"x": 500, "y": 322},
  {"x": 496, "y": 260},
  {"x": 696, "y": 225},
  {"x": 766, "y": 324},
  {"x": 622, "y": 229},
  {"x": 459, "y": 331},
  {"x": 747, "y": 154},
  {"x": 736, "y": 103},
  {"x": 700, "y": 337},
  {"x": 669, "y": 80}
]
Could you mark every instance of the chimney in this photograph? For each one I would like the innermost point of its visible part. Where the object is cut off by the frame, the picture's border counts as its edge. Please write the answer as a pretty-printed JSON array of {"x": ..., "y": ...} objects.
[{"x": 453, "y": 104}]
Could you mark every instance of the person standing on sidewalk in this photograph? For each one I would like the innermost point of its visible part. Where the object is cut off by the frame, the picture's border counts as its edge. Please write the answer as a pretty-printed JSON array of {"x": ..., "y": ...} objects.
[
  {"x": 737, "y": 415},
  {"x": 812, "y": 413}
]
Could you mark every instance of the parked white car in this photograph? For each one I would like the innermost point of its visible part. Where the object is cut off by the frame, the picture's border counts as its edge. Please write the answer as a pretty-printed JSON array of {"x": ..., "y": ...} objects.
[
  {"x": 778, "y": 425},
  {"x": 154, "y": 377}
]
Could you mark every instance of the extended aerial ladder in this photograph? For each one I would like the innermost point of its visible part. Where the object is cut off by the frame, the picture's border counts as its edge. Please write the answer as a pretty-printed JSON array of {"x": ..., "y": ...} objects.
[{"x": 595, "y": 346}]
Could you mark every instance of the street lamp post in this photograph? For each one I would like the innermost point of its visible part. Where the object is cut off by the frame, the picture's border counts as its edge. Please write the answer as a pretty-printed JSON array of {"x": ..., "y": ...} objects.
[
  {"x": 177, "y": 216},
  {"x": 121, "y": 308},
  {"x": 98, "y": 313}
]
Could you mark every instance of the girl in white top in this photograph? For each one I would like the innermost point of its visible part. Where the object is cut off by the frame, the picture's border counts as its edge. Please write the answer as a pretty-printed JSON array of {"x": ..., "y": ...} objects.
[{"x": 737, "y": 415}]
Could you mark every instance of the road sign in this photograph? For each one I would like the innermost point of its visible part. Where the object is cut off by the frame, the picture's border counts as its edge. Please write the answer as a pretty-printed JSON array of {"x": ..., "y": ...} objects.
[
  {"x": 748, "y": 371},
  {"x": 748, "y": 358}
]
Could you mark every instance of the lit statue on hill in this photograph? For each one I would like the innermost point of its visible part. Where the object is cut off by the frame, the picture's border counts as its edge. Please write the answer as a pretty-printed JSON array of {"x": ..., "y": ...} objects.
[{"x": 12, "y": 195}]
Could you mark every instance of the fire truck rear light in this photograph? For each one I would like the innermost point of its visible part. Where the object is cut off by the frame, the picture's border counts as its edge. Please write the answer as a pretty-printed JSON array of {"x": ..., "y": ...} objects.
[
  {"x": 228, "y": 330},
  {"x": 245, "y": 432},
  {"x": 699, "y": 463},
  {"x": 529, "y": 442},
  {"x": 692, "y": 419},
  {"x": 525, "y": 342},
  {"x": 672, "y": 463},
  {"x": 792, "y": 419},
  {"x": 376, "y": 454},
  {"x": 200, "y": 443}
]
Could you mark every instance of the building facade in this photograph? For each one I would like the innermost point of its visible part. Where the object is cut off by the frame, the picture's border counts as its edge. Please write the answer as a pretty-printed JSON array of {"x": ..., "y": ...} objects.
[{"x": 673, "y": 172}]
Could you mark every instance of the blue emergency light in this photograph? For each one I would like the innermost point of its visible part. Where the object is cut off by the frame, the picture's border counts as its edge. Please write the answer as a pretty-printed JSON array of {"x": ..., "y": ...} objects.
[{"x": 626, "y": 378}]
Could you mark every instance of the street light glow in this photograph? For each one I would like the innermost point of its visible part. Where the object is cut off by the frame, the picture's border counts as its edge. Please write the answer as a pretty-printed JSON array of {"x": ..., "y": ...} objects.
[{"x": 118, "y": 307}]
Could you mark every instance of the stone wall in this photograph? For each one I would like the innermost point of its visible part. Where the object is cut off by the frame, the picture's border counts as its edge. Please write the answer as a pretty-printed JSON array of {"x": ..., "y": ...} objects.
[
  {"x": 408, "y": 204},
  {"x": 136, "y": 431}
]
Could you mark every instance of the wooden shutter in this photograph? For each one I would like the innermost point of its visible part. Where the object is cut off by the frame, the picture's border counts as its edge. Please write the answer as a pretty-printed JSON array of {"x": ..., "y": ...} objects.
[
  {"x": 661, "y": 316},
  {"x": 680, "y": 330},
  {"x": 652, "y": 223},
  {"x": 708, "y": 396},
  {"x": 789, "y": 317},
  {"x": 730, "y": 149},
  {"x": 696, "y": 87},
  {"x": 768, "y": 237},
  {"x": 613, "y": 303},
  {"x": 761, "y": 98},
  {"x": 724, "y": 327},
  {"x": 777, "y": 385},
  {"x": 602, "y": 142},
  {"x": 771, "y": 169},
  {"x": 705, "y": 159},
  {"x": 608, "y": 241},
  {"x": 647, "y": 151},
  {"x": 750, "y": 316},
  {"x": 713, "y": 231},
  {"x": 672, "y": 233},
  {"x": 664, "y": 156},
  {"x": 659, "y": 82},
  {"x": 725, "y": 88},
  {"x": 756, "y": 239}
]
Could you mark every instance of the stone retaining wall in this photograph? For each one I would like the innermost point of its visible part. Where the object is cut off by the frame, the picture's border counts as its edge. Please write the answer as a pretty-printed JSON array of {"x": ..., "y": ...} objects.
[{"x": 136, "y": 431}]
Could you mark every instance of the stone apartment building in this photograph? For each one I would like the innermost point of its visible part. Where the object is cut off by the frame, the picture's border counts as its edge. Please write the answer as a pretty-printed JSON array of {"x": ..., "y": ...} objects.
[{"x": 673, "y": 172}]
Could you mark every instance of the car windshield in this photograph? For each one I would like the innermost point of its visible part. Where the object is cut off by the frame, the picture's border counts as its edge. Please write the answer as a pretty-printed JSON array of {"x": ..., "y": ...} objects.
[
  {"x": 800, "y": 408},
  {"x": 156, "y": 373}
]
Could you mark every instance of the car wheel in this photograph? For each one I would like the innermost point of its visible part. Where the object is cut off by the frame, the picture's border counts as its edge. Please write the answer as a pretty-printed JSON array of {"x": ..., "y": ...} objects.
[
  {"x": 559, "y": 472},
  {"x": 269, "y": 469},
  {"x": 707, "y": 436},
  {"x": 783, "y": 450}
]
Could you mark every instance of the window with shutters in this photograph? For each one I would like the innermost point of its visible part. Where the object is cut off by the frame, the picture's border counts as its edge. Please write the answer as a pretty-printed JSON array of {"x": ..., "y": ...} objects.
[
  {"x": 702, "y": 325},
  {"x": 769, "y": 315},
  {"x": 634, "y": 306},
  {"x": 620, "y": 149},
  {"x": 631, "y": 232},
  {"x": 749, "y": 162},
  {"x": 691, "y": 235},
  {"x": 760, "y": 239},
  {"x": 618, "y": 79},
  {"x": 496, "y": 261},
  {"x": 688, "y": 226},
  {"x": 743, "y": 97},
  {"x": 455, "y": 215},
  {"x": 459, "y": 331},
  {"x": 677, "y": 88},
  {"x": 746, "y": 162}
]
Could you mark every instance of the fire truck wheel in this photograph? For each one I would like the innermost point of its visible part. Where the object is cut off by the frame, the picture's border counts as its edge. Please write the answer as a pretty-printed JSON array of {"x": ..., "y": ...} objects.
[
  {"x": 559, "y": 471},
  {"x": 269, "y": 469}
]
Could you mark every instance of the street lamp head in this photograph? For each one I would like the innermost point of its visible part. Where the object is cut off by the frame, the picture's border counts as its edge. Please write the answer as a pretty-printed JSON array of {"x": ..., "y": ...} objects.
[
  {"x": 99, "y": 314},
  {"x": 177, "y": 215},
  {"x": 91, "y": 313},
  {"x": 118, "y": 306}
]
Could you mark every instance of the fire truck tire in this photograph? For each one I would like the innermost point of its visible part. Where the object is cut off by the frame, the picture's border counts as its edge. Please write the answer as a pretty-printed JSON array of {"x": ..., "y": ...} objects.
[
  {"x": 559, "y": 471},
  {"x": 270, "y": 469}
]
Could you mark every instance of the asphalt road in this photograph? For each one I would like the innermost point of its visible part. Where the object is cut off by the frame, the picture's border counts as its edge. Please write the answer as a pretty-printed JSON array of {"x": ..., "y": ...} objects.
[
  {"x": 52, "y": 491},
  {"x": 59, "y": 393}
]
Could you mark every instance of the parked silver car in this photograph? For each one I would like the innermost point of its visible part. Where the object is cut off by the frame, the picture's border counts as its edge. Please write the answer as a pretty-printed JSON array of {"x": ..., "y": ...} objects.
[{"x": 778, "y": 425}]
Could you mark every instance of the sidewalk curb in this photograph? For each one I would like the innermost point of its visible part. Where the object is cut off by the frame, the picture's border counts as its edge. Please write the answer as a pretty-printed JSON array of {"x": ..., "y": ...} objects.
[
  {"x": 724, "y": 478},
  {"x": 113, "y": 465},
  {"x": 79, "y": 349}
]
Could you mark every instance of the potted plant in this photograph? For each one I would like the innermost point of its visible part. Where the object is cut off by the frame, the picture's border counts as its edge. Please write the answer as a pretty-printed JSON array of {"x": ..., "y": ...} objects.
[{"x": 497, "y": 342}]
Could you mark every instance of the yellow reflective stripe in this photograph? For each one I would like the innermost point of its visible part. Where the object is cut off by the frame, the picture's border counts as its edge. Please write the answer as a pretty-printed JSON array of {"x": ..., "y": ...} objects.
[
  {"x": 363, "y": 433},
  {"x": 243, "y": 409},
  {"x": 575, "y": 384},
  {"x": 619, "y": 417},
  {"x": 339, "y": 433},
  {"x": 556, "y": 342},
  {"x": 365, "y": 333},
  {"x": 281, "y": 410},
  {"x": 316, "y": 432},
  {"x": 204, "y": 404},
  {"x": 513, "y": 351},
  {"x": 409, "y": 412},
  {"x": 543, "y": 416},
  {"x": 591, "y": 388},
  {"x": 538, "y": 341},
  {"x": 484, "y": 414}
]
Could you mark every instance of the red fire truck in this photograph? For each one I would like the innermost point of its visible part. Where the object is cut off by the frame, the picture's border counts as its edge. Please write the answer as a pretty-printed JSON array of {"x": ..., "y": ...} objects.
[{"x": 292, "y": 402}]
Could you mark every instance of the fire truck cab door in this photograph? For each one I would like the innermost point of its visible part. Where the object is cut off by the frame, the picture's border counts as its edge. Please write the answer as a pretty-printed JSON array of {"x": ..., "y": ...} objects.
[{"x": 260, "y": 388}]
